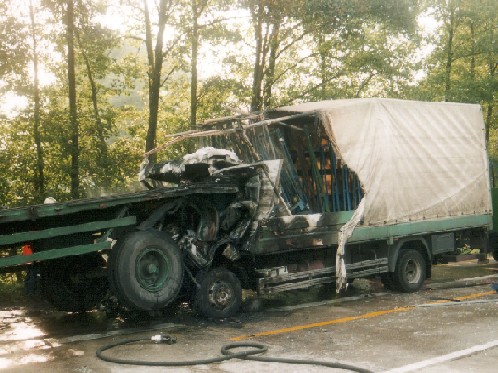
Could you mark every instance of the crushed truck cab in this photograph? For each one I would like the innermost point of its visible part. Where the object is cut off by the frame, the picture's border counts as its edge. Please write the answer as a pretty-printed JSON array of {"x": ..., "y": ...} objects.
[{"x": 310, "y": 194}]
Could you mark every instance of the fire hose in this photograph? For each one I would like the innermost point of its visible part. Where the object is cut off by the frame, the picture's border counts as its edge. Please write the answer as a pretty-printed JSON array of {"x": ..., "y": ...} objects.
[{"x": 226, "y": 351}]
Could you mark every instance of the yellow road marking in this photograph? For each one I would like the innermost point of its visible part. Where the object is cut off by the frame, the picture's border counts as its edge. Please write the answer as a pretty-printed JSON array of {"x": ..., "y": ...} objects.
[
  {"x": 465, "y": 297},
  {"x": 323, "y": 323},
  {"x": 351, "y": 318},
  {"x": 476, "y": 295}
]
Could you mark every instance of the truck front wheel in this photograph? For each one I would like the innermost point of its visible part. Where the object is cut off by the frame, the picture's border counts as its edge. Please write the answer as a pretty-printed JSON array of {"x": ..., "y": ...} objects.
[
  {"x": 410, "y": 272},
  {"x": 219, "y": 293},
  {"x": 146, "y": 270}
]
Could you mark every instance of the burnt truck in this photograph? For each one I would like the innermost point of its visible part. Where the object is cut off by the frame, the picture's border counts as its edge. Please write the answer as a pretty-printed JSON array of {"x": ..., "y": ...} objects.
[{"x": 316, "y": 193}]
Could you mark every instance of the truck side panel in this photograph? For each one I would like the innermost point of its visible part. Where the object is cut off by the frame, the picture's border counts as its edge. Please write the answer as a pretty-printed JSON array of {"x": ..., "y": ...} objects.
[{"x": 299, "y": 232}]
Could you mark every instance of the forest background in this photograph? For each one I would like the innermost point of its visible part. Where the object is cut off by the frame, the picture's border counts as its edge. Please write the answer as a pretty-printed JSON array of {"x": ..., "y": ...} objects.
[{"x": 88, "y": 86}]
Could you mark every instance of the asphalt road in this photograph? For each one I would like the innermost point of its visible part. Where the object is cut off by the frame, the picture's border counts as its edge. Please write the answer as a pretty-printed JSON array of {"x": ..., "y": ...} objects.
[{"x": 449, "y": 326}]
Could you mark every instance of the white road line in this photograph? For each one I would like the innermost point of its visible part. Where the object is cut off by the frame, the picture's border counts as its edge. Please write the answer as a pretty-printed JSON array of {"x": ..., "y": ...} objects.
[
  {"x": 457, "y": 303},
  {"x": 444, "y": 358}
]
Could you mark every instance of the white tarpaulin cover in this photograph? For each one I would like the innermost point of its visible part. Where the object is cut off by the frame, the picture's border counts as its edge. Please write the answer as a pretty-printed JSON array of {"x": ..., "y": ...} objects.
[{"x": 415, "y": 160}]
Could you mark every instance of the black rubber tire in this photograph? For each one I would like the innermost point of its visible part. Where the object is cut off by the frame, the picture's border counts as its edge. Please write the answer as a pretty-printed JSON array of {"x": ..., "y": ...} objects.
[
  {"x": 146, "y": 270},
  {"x": 219, "y": 294},
  {"x": 111, "y": 267},
  {"x": 63, "y": 283},
  {"x": 495, "y": 255},
  {"x": 410, "y": 272}
]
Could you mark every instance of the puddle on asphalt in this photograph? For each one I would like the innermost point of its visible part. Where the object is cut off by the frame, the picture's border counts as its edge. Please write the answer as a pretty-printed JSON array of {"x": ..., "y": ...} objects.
[
  {"x": 20, "y": 325},
  {"x": 30, "y": 334},
  {"x": 21, "y": 339}
]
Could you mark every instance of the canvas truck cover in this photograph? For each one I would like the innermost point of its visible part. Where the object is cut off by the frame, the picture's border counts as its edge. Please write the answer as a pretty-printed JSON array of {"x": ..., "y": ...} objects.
[{"x": 415, "y": 160}]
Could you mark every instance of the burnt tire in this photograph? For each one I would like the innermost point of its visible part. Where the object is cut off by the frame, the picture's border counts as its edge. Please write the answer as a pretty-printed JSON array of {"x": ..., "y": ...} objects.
[
  {"x": 146, "y": 270},
  {"x": 65, "y": 285},
  {"x": 219, "y": 293},
  {"x": 410, "y": 272},
  {"x": 111, "y": 268}
]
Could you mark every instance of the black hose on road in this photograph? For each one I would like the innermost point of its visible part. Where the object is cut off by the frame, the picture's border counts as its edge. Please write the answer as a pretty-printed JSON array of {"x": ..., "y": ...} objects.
[{"x": 226, "y": 351}]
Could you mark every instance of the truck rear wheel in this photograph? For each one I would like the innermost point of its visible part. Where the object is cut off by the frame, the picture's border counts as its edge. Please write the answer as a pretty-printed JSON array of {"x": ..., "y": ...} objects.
[
  {"x": 219, "y": 293},
  {"x": 146, "y": 270},
  {"x": 410, "y": 272},
  {"x": 68, "y": 285}
]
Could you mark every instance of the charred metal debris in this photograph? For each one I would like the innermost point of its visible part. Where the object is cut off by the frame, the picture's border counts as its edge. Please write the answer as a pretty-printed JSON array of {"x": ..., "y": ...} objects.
[{"x": 280, "y": 166}]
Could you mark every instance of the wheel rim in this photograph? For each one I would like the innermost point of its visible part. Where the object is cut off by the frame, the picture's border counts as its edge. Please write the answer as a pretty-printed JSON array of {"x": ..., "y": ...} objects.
[
  {"x": 152, "y": 269},
  {"x": 220, "y": 295},
  {"x": 413, "y": 271}
]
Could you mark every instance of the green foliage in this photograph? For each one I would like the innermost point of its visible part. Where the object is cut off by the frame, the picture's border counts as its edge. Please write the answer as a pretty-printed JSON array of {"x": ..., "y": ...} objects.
[
  {"x": 12, "y": 288},
  {"x": 310, "y": 50},
  {"x": 463, "y": 66},
  {"x": 349, "y": 16},
  {"x": 17, "y": 156},
  {"x": 218, "y": 97},
  {"x": 14, "y": 52}
]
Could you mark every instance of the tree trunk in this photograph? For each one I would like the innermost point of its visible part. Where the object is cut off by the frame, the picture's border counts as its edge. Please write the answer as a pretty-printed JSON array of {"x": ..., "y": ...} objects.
[
  {"x": 472, "y": 52},
  {"x": 102, "y": 156},
  {"x": 257, "y": 17},
  {"x": 193, "y": 79},
  {"x": 323, "y": 67},
  {"x": 449, "y": 55},
  {"x": 40, "y": 164},
  {"x": 492, "y": 66},
  {"x": 148, "y": 45},
  {"x": 155, "y": 67},
  {"x": 73, "y": 114},
  {"x": 489, "y": 117},
  {"x": 270, "y": 72}
]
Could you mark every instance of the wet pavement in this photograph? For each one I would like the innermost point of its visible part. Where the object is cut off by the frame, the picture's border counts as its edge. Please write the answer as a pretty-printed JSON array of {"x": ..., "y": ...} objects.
[{"x": 449, "y": 326}]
